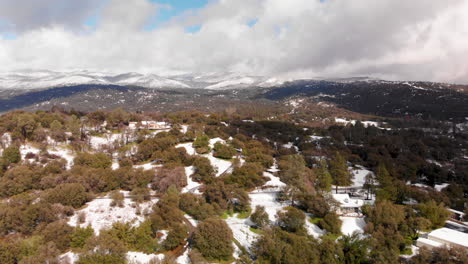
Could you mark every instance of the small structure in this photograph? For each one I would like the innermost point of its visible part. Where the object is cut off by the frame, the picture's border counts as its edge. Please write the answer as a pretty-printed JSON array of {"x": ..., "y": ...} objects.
[
  {"x": 444, "y": 237},
  {"x": 150, "y": 125},
  {"x": 347, "y": 205},
  {"x": 456, "y": 215}
]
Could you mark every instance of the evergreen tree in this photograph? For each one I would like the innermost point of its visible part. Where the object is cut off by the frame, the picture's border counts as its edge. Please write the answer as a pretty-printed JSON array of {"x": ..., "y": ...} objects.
[
  {"x": 324, "y": 178},
  {"x": 339, "y": 171}
]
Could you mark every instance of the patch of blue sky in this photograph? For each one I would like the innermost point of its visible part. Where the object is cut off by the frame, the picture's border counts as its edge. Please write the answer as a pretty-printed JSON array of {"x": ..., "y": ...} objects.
[
  {"x": 252, "y": 22},
  {"x": 172, "y": 8}
]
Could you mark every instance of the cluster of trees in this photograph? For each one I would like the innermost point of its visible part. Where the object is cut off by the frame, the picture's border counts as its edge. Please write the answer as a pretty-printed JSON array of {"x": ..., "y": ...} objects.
[{"x": 42, "y": 194}]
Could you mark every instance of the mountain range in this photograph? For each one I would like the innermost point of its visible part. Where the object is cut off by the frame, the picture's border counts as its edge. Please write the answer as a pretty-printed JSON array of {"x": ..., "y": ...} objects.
[{"x": 40, "y": 79}]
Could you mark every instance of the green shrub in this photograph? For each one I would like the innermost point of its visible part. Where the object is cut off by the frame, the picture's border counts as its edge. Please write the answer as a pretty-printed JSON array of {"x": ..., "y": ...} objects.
[
  {"x": 213, "y": 239},
  {"x": 79, "y": 237},
  {"x": 223, "y": 151},
  {"x": 72, "y": 194}
]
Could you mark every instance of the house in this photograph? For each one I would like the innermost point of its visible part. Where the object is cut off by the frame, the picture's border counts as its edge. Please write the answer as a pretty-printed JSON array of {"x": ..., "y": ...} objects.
[
  {"x": 348, "y": 206},
  {"x": 444, "y": 237}
]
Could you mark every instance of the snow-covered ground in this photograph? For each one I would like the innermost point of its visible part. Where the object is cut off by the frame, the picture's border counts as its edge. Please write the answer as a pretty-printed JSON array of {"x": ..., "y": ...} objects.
[
  {"x": 147, "y": 166},
  {"x": 192, "y": 186},
  {"x": 25, "y": 149},
  {"x": 142, "y": 258},
  {"x": 439, "y": 187},
  {"x": 241, "y": 231},
  {"x": 184, "y": 128},
  {"x": 312, "y": 229},
  {"x": 108, "y": 139},
  {"x": 274, "y": 181},
  {"x": 359, "y": 176},
  {"x": 268, "y": 200},
  {"x": 365, "y": 123},
  {"x": 352, "y": 224},
  {"x": 65, "y": 153},
  {"x": 184, "y": 258},
  {"x": 100, "y": 215},
  {"x": 220, "y": 165},
  {"x": 188, "y": 147}
]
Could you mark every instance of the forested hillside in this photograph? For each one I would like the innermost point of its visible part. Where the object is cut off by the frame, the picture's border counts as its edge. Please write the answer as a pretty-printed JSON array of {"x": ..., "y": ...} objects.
[{"x": 237, "y": 186}]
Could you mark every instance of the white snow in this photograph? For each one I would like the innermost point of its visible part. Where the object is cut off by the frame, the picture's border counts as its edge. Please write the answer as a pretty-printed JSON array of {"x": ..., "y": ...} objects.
[
  {"x": 241, "y": 231},
  {"x": 147, "y": 166},
  {"x": 364, "y": 123},
  {"x": 213, "y": 141},
  {"x": 268, "y": 200},
  {"x": 232, "y": 82},
  {"x": 69, "y": 257},
  {"x": 192, "y": 186},
  {"x": 439, "y": 187},
  {"x": 316, "y": 138},
  {"x": 191, "y": 220},
  {"x": 220, "y": 165},
  {"x": 184, "y": 258},
  {"x": 352, "y": 224},
  {"x": 108, "y": 139},
  {"x": 312, "y": 229},
  {"x": 100, "y": 215},
  {"x": 188, "y": 147},
  {"x": 274, "y": 181},
  {"x": 65, "y": 153},
  {"x": 142, "y": 258},
  {"x": 184, "y": 128},
  {"x": 115, "y": 165},
  {"x": 359, "y": 176},
  {"x": 25, "y": 149}
]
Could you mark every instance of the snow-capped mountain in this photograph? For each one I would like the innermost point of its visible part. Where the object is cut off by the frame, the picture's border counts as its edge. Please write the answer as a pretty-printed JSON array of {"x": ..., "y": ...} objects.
[{"x": 28, "y": 79}]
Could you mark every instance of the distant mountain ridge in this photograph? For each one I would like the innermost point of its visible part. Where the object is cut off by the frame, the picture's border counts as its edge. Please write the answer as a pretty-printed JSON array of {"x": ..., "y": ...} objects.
[{"x": 43, "y": 79}]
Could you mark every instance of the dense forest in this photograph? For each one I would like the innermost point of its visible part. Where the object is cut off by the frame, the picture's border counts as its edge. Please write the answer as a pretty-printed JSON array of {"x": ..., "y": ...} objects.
[{"x": 192, "y": 182}]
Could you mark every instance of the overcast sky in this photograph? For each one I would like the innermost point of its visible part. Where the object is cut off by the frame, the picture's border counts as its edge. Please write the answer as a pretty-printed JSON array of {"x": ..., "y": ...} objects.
[{"x": 390, "y": 39}]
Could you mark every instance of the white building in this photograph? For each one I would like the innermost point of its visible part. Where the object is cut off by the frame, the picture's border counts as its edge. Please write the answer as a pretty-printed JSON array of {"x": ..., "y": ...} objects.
[
  {"x": 347, "y": 205},
  {"x": 444, "y": 237}
]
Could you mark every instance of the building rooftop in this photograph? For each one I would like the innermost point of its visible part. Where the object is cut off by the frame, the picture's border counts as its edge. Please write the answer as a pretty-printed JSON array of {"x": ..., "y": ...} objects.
[{"x": 451, "y": 236}]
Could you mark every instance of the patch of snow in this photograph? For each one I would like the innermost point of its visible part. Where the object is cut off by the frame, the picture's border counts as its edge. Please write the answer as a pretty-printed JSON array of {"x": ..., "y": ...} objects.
[
  {"x": 274, "y": 181},
  {"x": 69, "y": 258},
  {"x": 439, "y": 187},
  {"x": 64, "y": 153},
  {"x": 142, "y": 258},
  {"x": 352, "y": 224},
  {"x": 213, "y": 141},
  {"x": 115, "y": 165},
  {"x": 147, "y": 166},
  {"x": 191, "y": 220},
  {"x": 268, "y": 200},
  {"x": 98, "y": 142},
  {"x": 25, "y": 149},
  {"x": 184, "y": 128},
  {"x": 220, "y": 165},
  {"x": 184, "y": 258},
  {"x": 241, "y": 231},
  {"x": 100, "y": 215},
  {"x": 188, "y": 147},
  {"x": 192, "y": 186},
  {"x": 359, "y": 176},
  {"x": 312, "y": 229}
]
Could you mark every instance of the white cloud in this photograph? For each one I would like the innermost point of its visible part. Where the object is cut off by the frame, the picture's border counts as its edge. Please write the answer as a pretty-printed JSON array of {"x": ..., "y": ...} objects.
[{"x": 398, "y": 39}]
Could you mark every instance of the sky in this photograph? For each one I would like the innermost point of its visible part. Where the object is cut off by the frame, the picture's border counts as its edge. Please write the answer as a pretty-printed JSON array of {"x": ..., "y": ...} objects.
[{"x": 388, "y": 39}]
